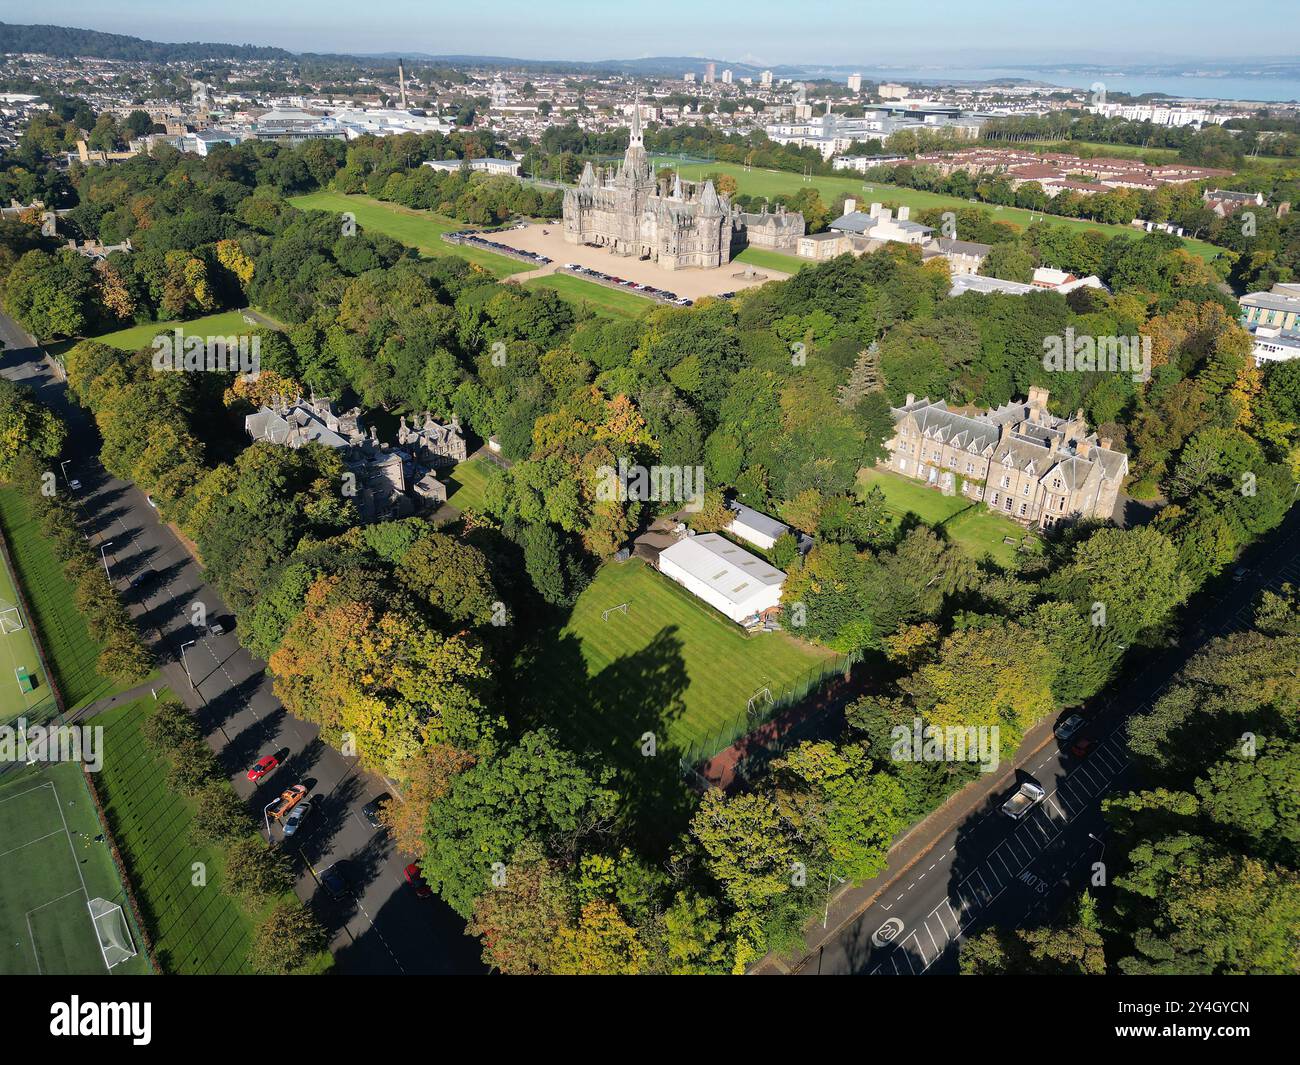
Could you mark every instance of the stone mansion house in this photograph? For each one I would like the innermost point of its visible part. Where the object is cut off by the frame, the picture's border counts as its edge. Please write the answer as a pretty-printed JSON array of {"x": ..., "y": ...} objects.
[
  {"x": 1020, "y": 459},
  {"x": 678, "y": 224}
]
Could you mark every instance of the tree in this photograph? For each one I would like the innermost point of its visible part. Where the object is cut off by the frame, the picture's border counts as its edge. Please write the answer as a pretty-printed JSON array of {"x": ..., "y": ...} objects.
[
  {"x": 219, "y": 815},
  {"x": 286, "y": 939},
  {"x": 536, "y": 789},
  {"x": 254, "y": 872}
]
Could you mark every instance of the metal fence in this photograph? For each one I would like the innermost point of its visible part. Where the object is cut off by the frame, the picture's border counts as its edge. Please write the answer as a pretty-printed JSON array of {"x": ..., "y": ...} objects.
[{"x": 748, "y": 720}]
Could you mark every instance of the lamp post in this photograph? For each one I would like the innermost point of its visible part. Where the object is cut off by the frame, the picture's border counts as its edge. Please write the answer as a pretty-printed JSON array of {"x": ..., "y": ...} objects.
[
  {"x": 104, "y": 559},
  {"x": 186, "y": 664}
]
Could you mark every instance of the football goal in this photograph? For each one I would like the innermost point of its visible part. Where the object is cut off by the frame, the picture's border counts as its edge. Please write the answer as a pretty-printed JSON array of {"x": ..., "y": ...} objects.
[
  {"x": 10, "y": 619},
  {"x": 115, "y": 941},
  {"x": 605, "y": 614}
]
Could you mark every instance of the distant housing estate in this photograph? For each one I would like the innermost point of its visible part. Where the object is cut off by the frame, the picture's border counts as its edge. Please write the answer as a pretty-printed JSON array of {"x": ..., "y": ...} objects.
[{"x": 1019, "y": 459}]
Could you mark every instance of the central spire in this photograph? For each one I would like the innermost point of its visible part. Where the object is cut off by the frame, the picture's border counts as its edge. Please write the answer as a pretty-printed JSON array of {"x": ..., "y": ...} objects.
[{"x": 634, "y": 138}]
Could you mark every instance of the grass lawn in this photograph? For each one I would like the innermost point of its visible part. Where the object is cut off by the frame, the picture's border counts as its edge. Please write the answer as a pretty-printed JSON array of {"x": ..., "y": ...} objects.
[
  {"x": 51, "y": 865},
  {"x": 422, "y": 230},
  {"x": 606, "y": 302},
  {"x": 773, "y": 182},
  {"x": 671, "y": 665},
  {"x": 64, "y": 636},
  {"x": 224, "y": 324},
  {"x": 971, "y": 525},
  {"x": 772, "y": 260},
  {"x": 195, "y": 929},
  {"x": 467, "y": 483}
]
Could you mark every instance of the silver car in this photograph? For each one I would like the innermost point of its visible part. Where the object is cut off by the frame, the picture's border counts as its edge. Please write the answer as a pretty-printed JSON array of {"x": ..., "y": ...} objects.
[{"x": 296, "y": 817}]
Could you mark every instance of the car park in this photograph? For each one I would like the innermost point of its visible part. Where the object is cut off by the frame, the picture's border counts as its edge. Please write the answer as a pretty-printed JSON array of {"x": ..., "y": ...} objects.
[{"x": 1083, "y": 746}]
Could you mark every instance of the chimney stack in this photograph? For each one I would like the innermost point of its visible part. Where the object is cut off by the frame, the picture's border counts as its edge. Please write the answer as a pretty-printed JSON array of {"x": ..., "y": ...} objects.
[
  {"x": 850, "y": 205},
  {"x": 904, "y": 213}
]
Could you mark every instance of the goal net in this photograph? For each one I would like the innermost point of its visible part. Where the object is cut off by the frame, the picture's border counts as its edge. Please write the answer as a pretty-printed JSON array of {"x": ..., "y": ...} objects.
[
  {"x": 10, "y": 619},
  {"x": 115, "y": 941}
]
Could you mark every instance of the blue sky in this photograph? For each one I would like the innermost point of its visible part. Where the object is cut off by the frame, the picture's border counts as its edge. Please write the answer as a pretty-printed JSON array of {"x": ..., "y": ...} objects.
[{"x": 862, "y": 32}]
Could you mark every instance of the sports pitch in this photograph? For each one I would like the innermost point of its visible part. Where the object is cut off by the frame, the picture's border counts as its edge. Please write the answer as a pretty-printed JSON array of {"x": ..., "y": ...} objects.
[
  {"x": 18, "y": 652},
  {"x": 53, "y": 861}
]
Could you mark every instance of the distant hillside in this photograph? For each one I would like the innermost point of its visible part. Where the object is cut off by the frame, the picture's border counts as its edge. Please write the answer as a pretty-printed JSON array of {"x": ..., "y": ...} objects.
[{"x": 67, "y": 42}]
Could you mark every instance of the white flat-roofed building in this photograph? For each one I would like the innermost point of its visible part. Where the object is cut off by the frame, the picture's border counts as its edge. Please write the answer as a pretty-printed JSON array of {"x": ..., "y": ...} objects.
[
  {"x": 483, "y": 165},
  {"x": 725, "y": 576},
  {"x": 1273, "y": 345},
  {"x": 756, "y": 527}
]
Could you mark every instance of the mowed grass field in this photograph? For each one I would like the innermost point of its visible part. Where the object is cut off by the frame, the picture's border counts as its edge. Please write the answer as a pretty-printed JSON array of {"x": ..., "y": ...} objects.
[
  {"x": 770, "y": 183},
  {"x": 764, "y": 259},
  {"x": 51, "y": 865},
  {"x": 72, "y": 652},
  {"x": 18, "y": 651},
  {"x": 972, "y": 526},
  {"x": 422, "y": 230},
  {"x": 671, "y": 665},
  {"x": 196, "y": 929},
  {"x": 224, "y": 324},
  {"x": 467, "y": 483},
  {"x": 604, "y": 301}
]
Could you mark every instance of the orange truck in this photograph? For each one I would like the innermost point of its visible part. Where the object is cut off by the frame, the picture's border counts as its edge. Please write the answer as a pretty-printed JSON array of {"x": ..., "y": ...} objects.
[{"x": 289, "y": 798}]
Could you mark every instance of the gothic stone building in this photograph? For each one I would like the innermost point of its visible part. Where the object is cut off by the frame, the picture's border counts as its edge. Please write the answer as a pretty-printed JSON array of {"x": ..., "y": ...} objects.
[
  {"x": 677, "y": 225},
  {"x": 1019, "y": 459}
]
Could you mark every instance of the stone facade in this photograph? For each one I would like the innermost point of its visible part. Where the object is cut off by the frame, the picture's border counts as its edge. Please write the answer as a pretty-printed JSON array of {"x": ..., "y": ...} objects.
[
  {"x": 678, "y": 224},
  {"x": 384, "y": 477},
  {"x": 431, "y": 443},
  {"x": 1019, "y": 459}
]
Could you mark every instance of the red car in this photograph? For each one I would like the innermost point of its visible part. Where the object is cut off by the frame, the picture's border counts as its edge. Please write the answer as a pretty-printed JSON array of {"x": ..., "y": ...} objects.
[
  {"x": 416, "y": 879},
  {"x": 1083, "y": 746},
  {"x": 263, "y": 767}
]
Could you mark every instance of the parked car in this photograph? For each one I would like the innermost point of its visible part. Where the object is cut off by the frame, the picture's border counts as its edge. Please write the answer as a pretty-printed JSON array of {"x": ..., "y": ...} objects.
[
  {"x": 296, "y": 817},
  {"x": 216, "y": 629},
  {"x": 1240, "y": 573},
  {"x": 263, "y": 767},
  {"x": 289, "y": 798},
  {"x": 1083, "y": 746},
  {"x": 1068, "y": 728},
  {"x": 1025, "y": 798},
  {"x": 372, "y": 809},
  {"x": 141, "y": 578},
  {"x": 335, "y": 880},
  {"x": 75, "y": 485},
  {"x": 416, "y": 879}
]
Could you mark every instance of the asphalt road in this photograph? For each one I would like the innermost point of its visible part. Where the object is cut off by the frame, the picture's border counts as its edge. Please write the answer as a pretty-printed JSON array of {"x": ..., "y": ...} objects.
[
  {"x": 381, "y": 927},
  {"x": 990, "y": 870}
]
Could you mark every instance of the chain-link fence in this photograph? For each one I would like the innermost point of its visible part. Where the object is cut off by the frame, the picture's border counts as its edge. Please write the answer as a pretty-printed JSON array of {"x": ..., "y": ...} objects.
[{"x": 762, "y": 711}]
